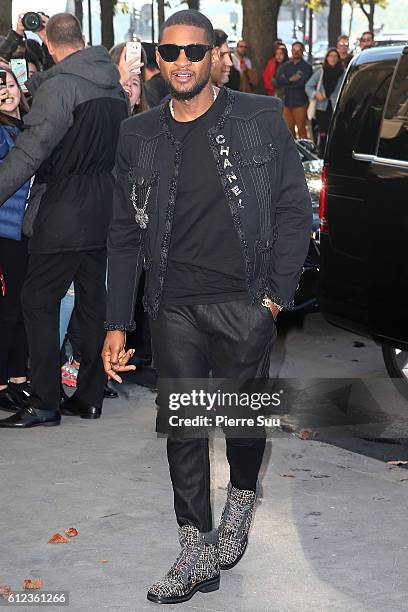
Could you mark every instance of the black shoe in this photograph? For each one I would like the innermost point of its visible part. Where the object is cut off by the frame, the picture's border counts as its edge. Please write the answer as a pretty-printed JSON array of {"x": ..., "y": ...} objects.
[
  {"x": 31, "y": 417},
  {"x": 109, "y": 392},
  {"x": 73, "y": 406},
  {"x": 20, "y": 394},
  {"x": 7, "y": 402}
]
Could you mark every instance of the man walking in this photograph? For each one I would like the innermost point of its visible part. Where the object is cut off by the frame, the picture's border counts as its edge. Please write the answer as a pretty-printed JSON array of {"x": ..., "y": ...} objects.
[
  {"x": 211, "y": 198},
  {"x": 69, "y": 143},
  {"x": 293, "y": 76}
]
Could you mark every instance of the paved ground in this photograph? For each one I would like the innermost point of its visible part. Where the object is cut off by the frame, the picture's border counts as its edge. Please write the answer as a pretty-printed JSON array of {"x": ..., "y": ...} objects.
[{"x": 329, "y": 532}]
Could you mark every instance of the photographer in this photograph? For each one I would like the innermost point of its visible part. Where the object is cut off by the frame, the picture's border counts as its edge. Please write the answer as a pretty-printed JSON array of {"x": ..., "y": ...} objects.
[
  {"x": 131, "y": 81},
  {"x": 16, "y": 45}
]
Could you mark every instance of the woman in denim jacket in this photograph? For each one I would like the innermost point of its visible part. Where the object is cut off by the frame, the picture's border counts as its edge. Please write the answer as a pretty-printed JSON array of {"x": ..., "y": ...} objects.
[
  {"x": 330, "y": 77},
  {"x": 13, "y": 258}
]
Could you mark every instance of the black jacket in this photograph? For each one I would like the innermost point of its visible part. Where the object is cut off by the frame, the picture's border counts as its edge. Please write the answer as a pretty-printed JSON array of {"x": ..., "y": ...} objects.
[
  {"x": 69, "y": 143},
  {"x": 264, "y": 183}
]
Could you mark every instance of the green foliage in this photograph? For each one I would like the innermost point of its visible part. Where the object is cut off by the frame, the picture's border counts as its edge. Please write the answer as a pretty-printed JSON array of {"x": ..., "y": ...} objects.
[{"x": 317, "y": 5}]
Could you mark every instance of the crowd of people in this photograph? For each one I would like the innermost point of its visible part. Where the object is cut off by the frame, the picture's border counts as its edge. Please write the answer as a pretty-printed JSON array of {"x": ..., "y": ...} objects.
[{"x": 294, "y": 81}]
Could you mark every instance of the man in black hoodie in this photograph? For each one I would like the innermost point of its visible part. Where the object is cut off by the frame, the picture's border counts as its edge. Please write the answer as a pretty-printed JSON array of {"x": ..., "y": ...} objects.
[{"x": 69, "y": 144}]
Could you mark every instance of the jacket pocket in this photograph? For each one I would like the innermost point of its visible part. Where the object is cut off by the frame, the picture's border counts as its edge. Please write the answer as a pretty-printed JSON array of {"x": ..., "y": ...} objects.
[
  {"x": 142, "y": 177},
  {"x": 256, "y": 156},
  {"x": 266, "y": 240}
]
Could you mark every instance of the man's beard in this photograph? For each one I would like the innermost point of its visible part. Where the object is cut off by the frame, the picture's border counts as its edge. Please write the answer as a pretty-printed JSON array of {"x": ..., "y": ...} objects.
[{"x": 189, "y": 94}]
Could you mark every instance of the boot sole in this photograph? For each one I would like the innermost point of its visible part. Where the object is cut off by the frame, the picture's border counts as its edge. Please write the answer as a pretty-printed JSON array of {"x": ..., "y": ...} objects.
[
  {"x": 228, "y": 566},
  {"x": 67, "y": 412},
  {"x": 49, "y": 424},
  {"x": 213, "y": 584}
]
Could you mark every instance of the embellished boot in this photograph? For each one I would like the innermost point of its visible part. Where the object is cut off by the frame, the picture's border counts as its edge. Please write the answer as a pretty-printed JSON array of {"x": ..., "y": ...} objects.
[
  {"x": 195, "y": 569},
  {"x": 235, "y": 522}
]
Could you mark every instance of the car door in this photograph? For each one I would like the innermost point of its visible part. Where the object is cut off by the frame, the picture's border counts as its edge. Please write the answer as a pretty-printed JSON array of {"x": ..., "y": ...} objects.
[
  {"x": 345, "y": 237},
  {"x": 387, "y": 203}
]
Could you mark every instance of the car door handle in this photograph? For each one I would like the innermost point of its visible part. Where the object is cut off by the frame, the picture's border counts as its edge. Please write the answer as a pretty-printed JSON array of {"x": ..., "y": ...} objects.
[{"x": 381, "y": 161}]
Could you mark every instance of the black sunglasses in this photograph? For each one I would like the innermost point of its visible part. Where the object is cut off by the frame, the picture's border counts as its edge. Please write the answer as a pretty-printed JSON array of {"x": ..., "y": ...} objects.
[{"x": 195, "y": 52}]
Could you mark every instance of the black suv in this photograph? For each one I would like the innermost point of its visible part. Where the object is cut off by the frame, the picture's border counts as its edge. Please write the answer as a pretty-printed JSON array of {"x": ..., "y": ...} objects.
[{"x": 364, "y": 205}]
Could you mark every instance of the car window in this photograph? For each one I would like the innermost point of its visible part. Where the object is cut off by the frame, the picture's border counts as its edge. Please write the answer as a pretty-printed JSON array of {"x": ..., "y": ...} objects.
[
  {"x": 374, "y": 89},
  {"x": 357, "y": 119},
  {"x": 393, "y": 142}
]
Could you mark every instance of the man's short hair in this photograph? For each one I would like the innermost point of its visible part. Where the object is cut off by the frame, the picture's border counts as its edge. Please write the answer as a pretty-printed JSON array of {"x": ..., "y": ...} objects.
[
  {"x": 190, "y": 17},
  {"x": 220, "y": 37},
  {"x": 342, "y": 37},
  {"x": 297, "y": 42},
  {"x": 64, "y": 30},
  {"x": 368, "y": 32}
]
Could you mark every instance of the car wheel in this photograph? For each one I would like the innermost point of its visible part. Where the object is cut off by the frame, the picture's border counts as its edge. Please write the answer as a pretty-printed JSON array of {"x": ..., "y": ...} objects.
[{"x": 396, "y": 362}]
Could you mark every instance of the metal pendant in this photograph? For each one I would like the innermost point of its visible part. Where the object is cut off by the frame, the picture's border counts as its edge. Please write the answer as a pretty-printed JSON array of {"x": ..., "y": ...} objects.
[{"x": 141, "y": 218}]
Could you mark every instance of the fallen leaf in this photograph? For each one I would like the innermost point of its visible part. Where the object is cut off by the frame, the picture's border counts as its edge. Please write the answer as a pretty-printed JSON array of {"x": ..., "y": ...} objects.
[
  {"x": 71, "y": 532},
  {"x": 308, "y": 434},
  {"x": 103, "y": 561},
  {"x": 287, "y": 475},
  {"x": 32, "y": 584},
  {"x": 5, "y": 591},
  {"x": 57, "y": 538},
  {"x": 398, "y": 462}
]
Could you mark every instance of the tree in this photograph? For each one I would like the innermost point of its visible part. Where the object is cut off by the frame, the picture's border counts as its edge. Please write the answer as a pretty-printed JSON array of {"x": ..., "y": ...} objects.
[
  {"x": 260, "y": 28},
  {"x": 193, "y": 4},
  {"x": 352, "y": 4},
  {"x": 368, "y": 8},
  {"x": 334, "y": 22},
  {"x": 5, "y": 17},
  {"x": 107, "y": 12},
  {"x": 160, "y": 11},
  {"x": 79, "y": 12}
]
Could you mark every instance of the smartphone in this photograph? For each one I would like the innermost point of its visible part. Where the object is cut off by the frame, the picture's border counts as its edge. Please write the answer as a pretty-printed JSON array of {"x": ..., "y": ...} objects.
[
  {"x": 134, "y": 49},
  {"x": 3, "y": 78},
  {"x": 19, "y": 68}
]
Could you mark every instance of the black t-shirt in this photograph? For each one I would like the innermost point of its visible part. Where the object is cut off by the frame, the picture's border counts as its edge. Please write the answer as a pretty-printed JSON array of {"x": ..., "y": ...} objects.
[{"x": 205, "y": 262}]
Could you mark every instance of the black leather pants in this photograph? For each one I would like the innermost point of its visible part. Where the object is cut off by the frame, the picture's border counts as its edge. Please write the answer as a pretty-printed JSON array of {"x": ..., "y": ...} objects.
[{"x": 232, "y": 340}]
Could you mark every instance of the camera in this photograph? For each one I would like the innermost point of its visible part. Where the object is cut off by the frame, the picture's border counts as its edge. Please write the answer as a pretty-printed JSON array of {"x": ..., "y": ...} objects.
[{"x": 32, "y": 22}]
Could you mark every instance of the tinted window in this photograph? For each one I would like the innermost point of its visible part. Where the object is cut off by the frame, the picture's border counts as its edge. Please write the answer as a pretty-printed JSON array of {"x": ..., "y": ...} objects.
[
  {"x": 394, "y": 130},
  {"x": 357, "y": 119}
]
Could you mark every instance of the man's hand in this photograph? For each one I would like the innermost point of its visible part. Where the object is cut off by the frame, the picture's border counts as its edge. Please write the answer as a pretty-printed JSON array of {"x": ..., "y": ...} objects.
[
  {"x": 319, "y": 96},
  {"x": 294, "y": 78},
  {"x": 19, "y": 27},
  {"x": 114, "y": 356},
  {"x": 41, "y": 33}
]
